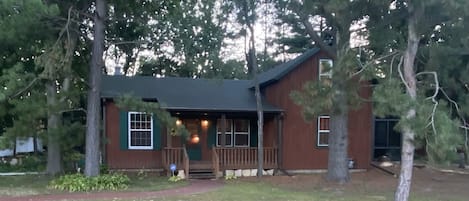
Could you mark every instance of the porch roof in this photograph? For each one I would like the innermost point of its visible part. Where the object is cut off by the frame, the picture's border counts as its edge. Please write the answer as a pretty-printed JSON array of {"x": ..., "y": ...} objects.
[{"x": 187, "y": 94}]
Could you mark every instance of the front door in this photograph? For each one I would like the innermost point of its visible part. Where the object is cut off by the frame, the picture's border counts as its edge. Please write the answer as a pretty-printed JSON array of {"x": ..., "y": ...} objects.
[
  {"x": 194, "y": 151},
  {"x": 193, "y": 145}
]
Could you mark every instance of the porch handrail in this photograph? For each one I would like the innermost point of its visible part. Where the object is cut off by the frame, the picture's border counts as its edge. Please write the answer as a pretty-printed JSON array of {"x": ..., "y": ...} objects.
[
  {"x": 215, "y": 162},
  {"x": 246, "y": 157},
  {"x": 185, "y": 162}
]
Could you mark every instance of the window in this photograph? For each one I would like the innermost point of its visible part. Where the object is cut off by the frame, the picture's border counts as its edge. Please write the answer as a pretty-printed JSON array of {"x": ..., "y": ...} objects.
[
  {"x": 140, "y": 130},
  {"x": 323, "y": 131},
  {"x": 228, "y": 133},
  {"x": 236, "y": 132},
  {"x": 325, "y": 70},
  {"x": 241, "y": 134},
  {"x": 387, "y": 141}
]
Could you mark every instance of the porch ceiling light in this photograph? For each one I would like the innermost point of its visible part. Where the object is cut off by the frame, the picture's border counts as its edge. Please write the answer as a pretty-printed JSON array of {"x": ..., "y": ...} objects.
[
  {"x": 195, "y": 139},
  {"x": 178, "y": 122},
  {"x": 204, "y": 123}
]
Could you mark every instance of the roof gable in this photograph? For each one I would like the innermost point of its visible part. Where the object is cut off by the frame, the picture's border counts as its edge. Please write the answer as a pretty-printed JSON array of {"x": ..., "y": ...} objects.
[{"x": 279, "y": 71}]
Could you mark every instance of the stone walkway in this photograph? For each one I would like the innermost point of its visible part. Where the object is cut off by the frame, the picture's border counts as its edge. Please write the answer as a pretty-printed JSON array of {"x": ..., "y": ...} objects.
[{"x": 195, "y": 187}]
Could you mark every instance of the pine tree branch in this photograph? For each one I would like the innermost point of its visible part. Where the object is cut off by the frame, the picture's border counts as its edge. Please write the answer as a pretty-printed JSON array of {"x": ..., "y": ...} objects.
[
  {"x": 366, "y": 65},
  {"x": 130, "y": 42},
  {"x": 314, "y": 36},
  {"x": 392, "y": 64},
  {"x": 401, "y": 75},
  {"x": 433, "y": 98},
  {"x": 24, "y": 89},
  {"x": 73, "y": 110},
  {"x": 461, "y": 116}
]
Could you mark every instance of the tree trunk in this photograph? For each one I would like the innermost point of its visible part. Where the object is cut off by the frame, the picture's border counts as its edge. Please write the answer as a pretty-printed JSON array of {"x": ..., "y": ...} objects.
[
  {"x": 252, "y": 64},
  {"x": 337, "y": 169},
  {"x": 93, "y": 107},
  {"x": 260, "y": 112},
  {"x": 407, "y": 154},
  {"x": 54, "y": 157},
  {"x": 260, "y": 125}
]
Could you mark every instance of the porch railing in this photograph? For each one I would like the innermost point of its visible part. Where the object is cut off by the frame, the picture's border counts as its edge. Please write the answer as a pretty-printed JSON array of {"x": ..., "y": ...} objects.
[
  {"x": 215, "y": 162},
  {"x": 245, "y": 157},
  {"x": 177, "y": 156}
]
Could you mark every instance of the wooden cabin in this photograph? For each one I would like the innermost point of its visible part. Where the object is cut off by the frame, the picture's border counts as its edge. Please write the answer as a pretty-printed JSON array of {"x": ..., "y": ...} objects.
[{"x": 221, "y": 118}]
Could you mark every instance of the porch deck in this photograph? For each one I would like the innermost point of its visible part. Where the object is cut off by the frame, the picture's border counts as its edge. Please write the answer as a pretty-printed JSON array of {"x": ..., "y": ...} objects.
[{"x": 200, "y": 165}]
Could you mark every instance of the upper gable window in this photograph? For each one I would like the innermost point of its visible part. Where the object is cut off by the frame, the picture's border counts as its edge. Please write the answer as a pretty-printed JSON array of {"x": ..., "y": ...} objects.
[{"x": 325, "y": 70}]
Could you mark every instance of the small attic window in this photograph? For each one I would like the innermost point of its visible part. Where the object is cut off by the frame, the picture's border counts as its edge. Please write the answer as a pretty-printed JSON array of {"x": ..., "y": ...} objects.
[{"x": 325, "y": 70}]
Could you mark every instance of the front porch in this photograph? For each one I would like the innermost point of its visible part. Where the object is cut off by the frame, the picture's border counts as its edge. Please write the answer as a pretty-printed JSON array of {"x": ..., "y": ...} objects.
[
  {"x": 220, "y": 142},
  {"x": 222, "y": 158}
]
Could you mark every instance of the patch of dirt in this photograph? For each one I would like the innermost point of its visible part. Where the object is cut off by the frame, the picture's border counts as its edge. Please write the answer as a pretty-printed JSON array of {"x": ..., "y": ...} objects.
[{"x": 431, "y": 182}]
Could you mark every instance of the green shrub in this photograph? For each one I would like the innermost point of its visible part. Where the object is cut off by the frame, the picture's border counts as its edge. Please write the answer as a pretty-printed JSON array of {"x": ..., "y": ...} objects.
[
  {"x": 230, "y": 177},
  {"x": 104, "y": 169},
  {"x": 175, "y": 178},
  {"x": 26, "y": 163},
  {"x": 78, "y": 182}
]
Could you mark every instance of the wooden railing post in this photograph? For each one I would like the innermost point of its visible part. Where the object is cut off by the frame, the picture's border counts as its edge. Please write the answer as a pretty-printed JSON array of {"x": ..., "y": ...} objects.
[
  {"x": 185, "y": 162},
  {"x": 215, "y": 162}
]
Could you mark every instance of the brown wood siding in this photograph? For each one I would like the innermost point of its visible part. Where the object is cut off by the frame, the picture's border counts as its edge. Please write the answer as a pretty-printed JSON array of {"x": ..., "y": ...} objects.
[
  {"x": 116, "y": 158},
  {"x": 299, "y": 150},
  {"x": 125, "y": 159},
  {"x": 360, "y": 130}
]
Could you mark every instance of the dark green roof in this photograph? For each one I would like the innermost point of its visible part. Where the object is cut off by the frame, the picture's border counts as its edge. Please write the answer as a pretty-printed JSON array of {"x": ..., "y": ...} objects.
[
  {"x": 277, "y": 72},
  {"x": 187, "y": 93}
]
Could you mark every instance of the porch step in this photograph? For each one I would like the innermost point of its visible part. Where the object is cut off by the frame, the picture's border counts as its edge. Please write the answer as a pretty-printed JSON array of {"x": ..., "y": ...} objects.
[
  {"x": 200, "y": 165},
  {"x": 201, "y": 174}
]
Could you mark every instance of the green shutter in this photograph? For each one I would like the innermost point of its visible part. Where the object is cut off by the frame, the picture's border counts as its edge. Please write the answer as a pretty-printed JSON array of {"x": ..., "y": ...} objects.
[
  {"x": 124, "y": 130},
  {"x": 156, "y": 133},
  {"x": 212, "y": 133},
  {"x": 253, "y": 133}
]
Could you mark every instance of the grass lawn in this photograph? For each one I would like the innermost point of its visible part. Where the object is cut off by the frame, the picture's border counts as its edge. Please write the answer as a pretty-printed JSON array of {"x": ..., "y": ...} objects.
[
  {"x": 37, "y": 184},
  {"x": 153, "y": 183},
  {"x": 373, "y": 185},
  {"x": 24, "y": 185},
  {"x": 253, "y": 191}
]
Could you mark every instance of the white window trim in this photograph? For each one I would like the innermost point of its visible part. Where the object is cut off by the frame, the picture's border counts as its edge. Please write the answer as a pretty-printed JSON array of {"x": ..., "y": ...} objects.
[
  {"x": 322, "y": 131},
  {"x": 328, "y": 74},
  {"x": 233, "y": 133},
  {"x": 129, "y": 132}
]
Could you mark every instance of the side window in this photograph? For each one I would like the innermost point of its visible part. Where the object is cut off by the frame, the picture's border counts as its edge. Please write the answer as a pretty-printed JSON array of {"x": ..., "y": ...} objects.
[
  {"x": 323, "y": 131},
  {"x": 140, "y": 130}
]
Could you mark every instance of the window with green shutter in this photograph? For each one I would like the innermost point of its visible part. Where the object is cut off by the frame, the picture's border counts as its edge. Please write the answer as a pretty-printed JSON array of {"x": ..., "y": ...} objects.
[{"x": 139, "y": 131}]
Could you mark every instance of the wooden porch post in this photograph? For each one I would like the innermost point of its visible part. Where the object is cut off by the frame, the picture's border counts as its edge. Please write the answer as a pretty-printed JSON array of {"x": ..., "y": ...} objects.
[
  {"x": 223, "y": 130},
  {"x": 279, "y": 140},
  {"x": 168, "y": 137}
]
